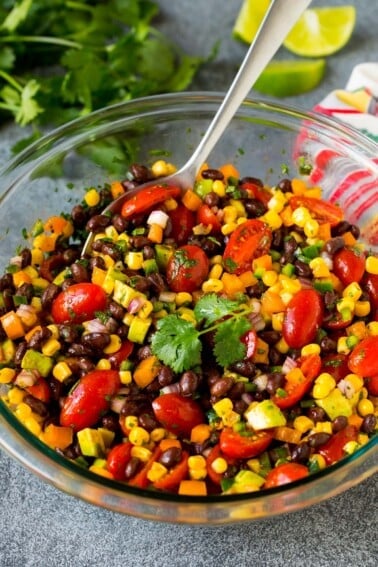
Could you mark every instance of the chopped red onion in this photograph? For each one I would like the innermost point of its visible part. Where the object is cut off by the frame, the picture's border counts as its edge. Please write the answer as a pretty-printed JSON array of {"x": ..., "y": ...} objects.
[
  {"x": 305, "y": 283},
  {"x": 16, "y": 261},
  {"x": 135, "y": 305},
  {"x": 289, "y": 364},
  {"x": 116, "y": 404},
  {"x": 167, "y": 296},
  {"x": 95, "y": 326},
  {"x": 247, "y": 398},
  {"x": 158, "y": 217},
  {"x": 257, "y": 321},
  {"x": 327, "y": 259},
  {"x": 25, "y": 310},
  {"x": 171, "y": 389},
  {"x": 27, "y": 378},
  {"x": 261, "y": 382}
]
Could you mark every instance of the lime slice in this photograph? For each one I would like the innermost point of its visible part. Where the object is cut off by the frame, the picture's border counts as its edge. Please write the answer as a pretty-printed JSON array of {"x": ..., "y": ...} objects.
[
  {"x": 292, "y": 77},
  {"x": 249, "y": 19},
  {"x": 321, "y": 31}
]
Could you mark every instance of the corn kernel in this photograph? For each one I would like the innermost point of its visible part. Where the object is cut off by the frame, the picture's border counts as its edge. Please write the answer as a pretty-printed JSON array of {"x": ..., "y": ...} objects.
[
  {"x": 253, "y": 465},
  {"x": 362, "y": 308},
  {"x": 125, "y": 377},
  {"x": 183, "y": 298},
  {"x": 114, "y": 344},
  {"x": 23, "y": 411},
  {"x": 198, "y": 474},
  {"x": 32, "y": 424},
  {"x": 131, "y": 421},
  {"x": 156, "y": 472},
  {"x": 219, "y": 465},
  {"x": 303, "y": 423},
  {"x": 352, "y": 291},
  {"x": 319, "y": 460},
  {"x": 230, "y": 214},
  {"x": 323, "y": 427},
  {"x": 217, "y": 259},
  {"x": 342, "y": 345},
  {"x": 277, "y": 202},
  {"x": 365, "y": 407},
  {"x": 215, "y": 272},
  {"x": 111, "y": 233},
  {"x": 345, "y": 304},
  {"x": 15, "y": 396},
  {"x": 290, "y": 285},
  {"x": 36, "y": 257},
  {"x": 160, "y": 168},
  {"x": 319, "y": 268},
  {"x": 157, "y": 434},
  {"x": 350, "y": 447},
  {"x": 324, "y": 384},
  {"x": 371, "y": 265},
  {"x": 7, "y": 375},
  {"x": 141, "y": 453},
  {"x": 103, "y": 364},
  {"x": 134, "y": 260},
  {"x": 311, "y": 228},
  {"x": 212, "y": 285},
  {"x": 241, "y": 220},
  {"x": 273, "y": 219},
  {"x": 51, "y": 347},
  {"x": 196, "y": 462},
  {"x": 139, "y": 436},
  {"x": 372, "y": 328},
  {"x": 269, "y": 278},
  {"x": 230, "y": 419},
  {"x": 362, "y": 438},
  {"x": 300, "y": 216},
  {"x": 61, "y": 371},
  {"x": 219, "y": 188},
  {"x": 92, "y": 197},
  {"x": 282, "y": 346},
  {"x": 312, "y": 348},
  {"x": 355, "y": 381},
  {"x": 228, "y": 228},
  {"x": 277, "y": 321},
  {"x": 223, "y": 407}
]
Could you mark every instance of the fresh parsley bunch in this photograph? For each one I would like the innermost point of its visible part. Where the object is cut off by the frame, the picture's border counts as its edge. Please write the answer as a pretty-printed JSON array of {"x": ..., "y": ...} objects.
[
  {"x": 177, "y": 342},
  {"x": 60, "y": 59}
]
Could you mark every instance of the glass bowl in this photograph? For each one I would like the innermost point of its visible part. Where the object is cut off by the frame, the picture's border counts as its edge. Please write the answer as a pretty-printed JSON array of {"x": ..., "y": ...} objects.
[{"x": 265, "y": 140}]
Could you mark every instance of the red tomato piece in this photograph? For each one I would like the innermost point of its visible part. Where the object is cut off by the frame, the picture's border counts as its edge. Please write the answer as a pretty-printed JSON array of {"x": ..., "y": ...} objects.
[
  {"x": 250, "y": 341},
  {"x": 116, "y": 358},
  {"x": 207, "y": 217},
  {"x": 333, "y": 450},
  {"x": 335, "y": 321},
  {"x": 322, "y": 211},
  {"x": 284, "y": 474},
  {"x": 187, "y": 268},
  {"x": 336, "y": 365},
  {"x": 140, "y": 480},
  {"x": 117, "y": 459},
  {"x": 363, "y": 359},
  {"x": 177, "y": 414},
  {"x": 257, "y": 192},
  {"x": 89, "y": 399},
  {"x": 40, "y": 390},
  {"x": 147, "y": 198},
  {"x": 370, "y": 284},
  {"x": 237, "y": 446},
  {"x": 295, "y": 391},
  {"x": 78, "y": 303},
  {"x": 371, "y": 384},
  {"x": 215, "y": 453},
  {"x": 249, "y": 240},
  {"x": 182, "y": 221},
  {"x": 303, "y": 317},
  {"x": 173, "y": 478},
  {"x": 349, "y": 265}
]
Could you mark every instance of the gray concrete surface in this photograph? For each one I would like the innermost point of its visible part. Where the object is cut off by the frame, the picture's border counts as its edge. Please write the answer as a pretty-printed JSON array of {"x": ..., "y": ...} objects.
[{"x": 42, "y": 527}]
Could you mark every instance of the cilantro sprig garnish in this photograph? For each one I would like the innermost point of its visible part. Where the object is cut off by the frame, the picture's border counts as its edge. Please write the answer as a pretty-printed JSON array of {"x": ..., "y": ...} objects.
[{"x": 177, "y": 342}]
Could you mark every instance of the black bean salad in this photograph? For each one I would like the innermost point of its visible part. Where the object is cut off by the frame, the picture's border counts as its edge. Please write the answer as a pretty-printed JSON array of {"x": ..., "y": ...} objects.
[{"x": 221, "y": 340}]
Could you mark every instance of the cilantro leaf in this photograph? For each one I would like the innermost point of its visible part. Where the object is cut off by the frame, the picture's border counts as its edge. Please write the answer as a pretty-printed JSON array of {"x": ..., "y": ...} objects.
[
  {"x": 228, "y": 346},
  {"x": 176, "y": 343},
  {"x": 211, "y": 308}
]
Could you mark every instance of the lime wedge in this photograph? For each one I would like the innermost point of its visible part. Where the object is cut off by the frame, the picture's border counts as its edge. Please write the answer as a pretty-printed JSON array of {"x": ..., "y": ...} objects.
[
  {"x": 321, "y": 31},
  {"x": 289, "y": 78},
  {"x": 249, "y": 19}
]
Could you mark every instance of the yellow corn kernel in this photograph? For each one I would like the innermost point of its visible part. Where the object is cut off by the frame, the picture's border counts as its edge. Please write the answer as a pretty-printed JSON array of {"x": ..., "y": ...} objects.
[
  {"x": 371, "y": 265},
  {"x": 345, "y": 304},
  {"x": 131, "y": 421},
  {"x": 352, "y": 291},
  {"x": 111, "y": 233},
  {"x": 101, "y": 471},
  {"x": 312, "y": 348},
  {"x": 219, "y": 465},
  {"x": 223, "y": 407},
  {"x": 230, "y": 419},
  {"x": 354, "y": 381},
  {"x": 198, "y": 474},
  {"x": 183, "y": 298},
  {"x": 109, "y": 262},
  {"x": 23, "y": 411},
  {"x": 269, "y": 278},
  {"x": 134, "y": 260},
  {"x": 196, "y": 462},
  {"x": 187, "y": 314},
  {"x": 139, "y": 436},
  {"x": 300, "y": 216},
  {"x": 160, "y": 168},
  {"x": 157, "y": 434},
  {"x": 323, "y": 427},
  {"x": 92, "y": 197},
  {"x": 103, "y": 364},
  {"x": 156, "y": 472},
  {"x": 36, "y": 257},
  {"x": 282, "y": 346},
  {"x": 212, "y": 285},
  {"x": 230, "y": 214},
  {"x": 54, "y": 331},
  {"x": 219, "y": 188},
  {"x": 372, "y": 328},
  {"x": 217, "y": 259},
  {"x": 241, "y": 220},
  {"x": 311, "y": 228},
  {"x": 7, "y": 375},
  {"x": 253, "y": 465},
  {"x": 277, "y": 202},
  {"x": 362, "y": 438},
  {"x": 277, "y": 321},
  {"x": 273, "y": 219},
  {"x": 141, "y": 453},
  {"x": 32, "y": 424},
  {"x": 365, "y": 407},
  {"x": 290, "y": 285},
  {"x": 228, "y": 228},
  {"x": 125, "y": 376},
  {"x": 342, "y": 345},
  {"x": 114, "y": 345},
  {"x": 362, "y": 308},
  {"x": 200, "y": 433},
  {"x": 51, "y": 347},
  {"x": 215, "y": 272},
  {"x": 303, "y": 423},
  {"x": 319, "y": 460},
  {"x": 319, "y": 268},
  {"x": 61, "y": 371},
  {"x": 15, "y": 396},
  {"x": 351, "y": 447},
  {"x": 241, "y": 212},
  {"x": 324, "y": 384}
]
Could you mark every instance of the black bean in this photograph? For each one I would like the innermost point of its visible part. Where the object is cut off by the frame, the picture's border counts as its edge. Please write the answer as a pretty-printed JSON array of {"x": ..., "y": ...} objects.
[
  {"x": 20, "y": 352},
  {"x": 369, "y": 423},
  {"x": 330, "y": 299},
  {"x": 7, "y": 297},
  {"x": 275, "y": 357},
  {"x": 70, "y": 255},
  {"x": 148, "y": 421},
  {"x": 119, "y": 223},
  {"x": 116, "y": 310},
  {"x": 244, "y": 367},
  {"x": 26, "y": 257},
  {"x": 254, "y": 180},
  {"x": 157, "y": 282},
  {"x": 140, "y": 173},
  {"x": 97, "y": 223},
  {"x": 79, "y": 272},
  {"x": 96, "y": 341},
  {"x": 212, "y": 199},
  {"x": 110, "y": 249},
  {"x": 275, "y": 381},
  {"x": 301, "y": 453},
  {"x": 79, "y": 216},
  {"x": 6, "y": 282},
  {"x": 68, "y": 333},
  {"x": 171, "y": 457},
  {"x": 79, "y": 350},
  {"x": 25, "y": 290},
  {"x": 221, "y": 387},
  {"x": 317, "y": 414},
  {"x": 165, "y": 376},
  {"x": 148, "y": 252},
  {"x": 97, "y": 262},
  {"x": 140, "y": 283},
  {"x": 284, "y": 185},
  {"x": 110, "y": 421},
  {"x": 327, "y": 344},
  {"x": 334, "y": 245},
  {"x": 302, "y": 269},
  {"x": 36, "y": 405},
  {"x": 271, "y": 337},
  {"x": 240, "y": 406},
  {"x": 56, "y": 388},
  {"x": 339, "y": 423},
  {"x": 79, "y": 364},
  {"x": 212, "y": 174},
  {"x": 317, "y": 439},
  {"x": 48, "y": 295},
  {"x": 236, "y": 390},
  {"x": 140, "y": 241},
  {"x": 188, "y": 383},
  {"x": 355, "y": 230},
  {"x": 132, "y": 467},
  {"x": 39, "y": 337},
  {"x": 144, "y": 352},
  {"x": 341, "y": 228},
  {"x": 254, "y": 208},
  {"x": 135, "y": 405}
]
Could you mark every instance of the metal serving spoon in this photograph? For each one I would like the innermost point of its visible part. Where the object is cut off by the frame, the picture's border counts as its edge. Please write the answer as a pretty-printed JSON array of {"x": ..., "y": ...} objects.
[{"x": 278, "y": 21}]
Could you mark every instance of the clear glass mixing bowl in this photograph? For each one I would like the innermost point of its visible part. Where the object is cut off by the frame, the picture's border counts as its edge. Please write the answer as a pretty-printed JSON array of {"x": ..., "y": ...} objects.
[{"x": 265, "y": 140}]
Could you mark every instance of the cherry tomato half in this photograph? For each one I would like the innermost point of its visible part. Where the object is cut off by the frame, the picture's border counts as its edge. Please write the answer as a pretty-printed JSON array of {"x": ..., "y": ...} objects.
[
  {"x": 370, "y": 284},
  {"x": 322, "y": 211},
  {"x": 207, "y": 217},
  {"x": 182, "y": 221},
  {"x": 333, "y": 449},
  {"x": 363, "y": 360},
  {"x": 89, "y": 399},
  {"x": 78, "y": 303},
  {"x": 237, "y": 446},
  {"x": 249, "y": 240},
  {"x": 284, "y": 474},
  {"x": 177, "y": 414},
  {"x": 173, "y": 478},
  {"x": 117, "y": 459},
  {"x": 116, "y": 358},
  {"x": 349, "y": 265},
  {"x": 303, "y": 317},
  {"x": 295, "y": 391},
  {"x": 257, "y": 192},
  {"x": 148, "y": 198},
  {"x": 187, "y": 268},
  {"x": 372, "y": 385},
  {"x": 40, "y": 390},
  {"x": 336, "y": 365}
]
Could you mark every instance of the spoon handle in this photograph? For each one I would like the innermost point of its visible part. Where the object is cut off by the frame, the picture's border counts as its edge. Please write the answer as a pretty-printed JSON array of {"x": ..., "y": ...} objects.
[{"x": 277, "y": 23}]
